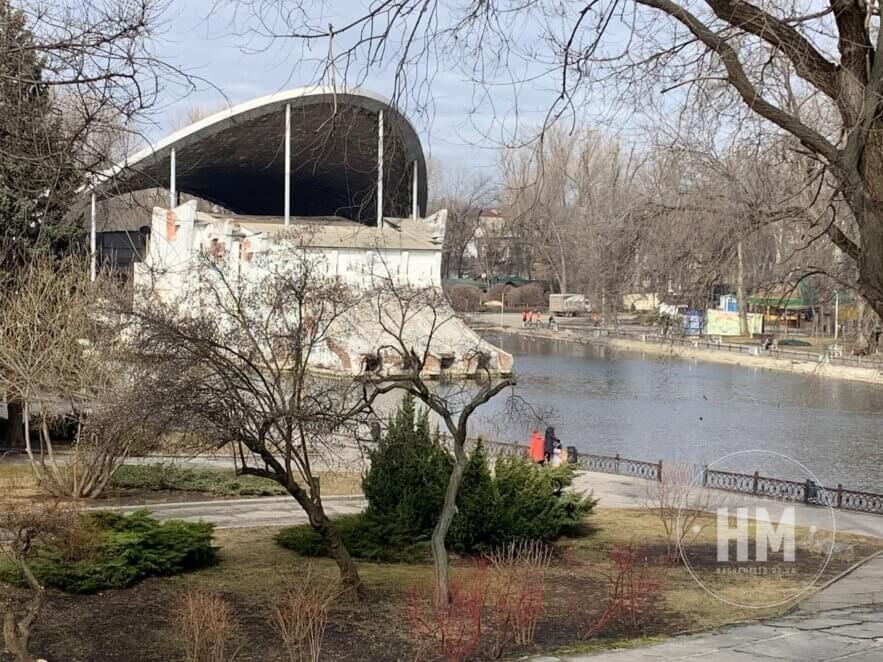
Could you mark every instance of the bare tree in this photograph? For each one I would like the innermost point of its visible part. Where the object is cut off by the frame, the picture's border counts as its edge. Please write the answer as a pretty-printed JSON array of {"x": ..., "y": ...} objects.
[
  {"x": 681, "y": 504},
  {"x": 464, "y": 195},
  {"x": 567, "y": 197},
  {"x": 184, "y": 117},
  {"x": 59, "y": 357},
  {"x": 759, "y": 66},
  {"x": 239, "y": 361},
  {"x": 415, "y": 326},
  {"x": 79, "y": 79},
  {"x": 23, "y": 527}
]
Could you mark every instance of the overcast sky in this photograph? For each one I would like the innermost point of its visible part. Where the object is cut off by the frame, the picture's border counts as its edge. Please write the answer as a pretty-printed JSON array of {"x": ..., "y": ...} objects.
[{"x": 460, "y": 131}]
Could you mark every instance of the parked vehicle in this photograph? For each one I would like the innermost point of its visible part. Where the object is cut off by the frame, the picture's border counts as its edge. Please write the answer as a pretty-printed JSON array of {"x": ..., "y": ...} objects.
[{"x": 567, "y": 305}]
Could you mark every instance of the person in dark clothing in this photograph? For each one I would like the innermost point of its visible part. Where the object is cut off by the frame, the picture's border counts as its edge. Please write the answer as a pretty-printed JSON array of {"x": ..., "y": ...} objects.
[{"x": 549, "y": 442}]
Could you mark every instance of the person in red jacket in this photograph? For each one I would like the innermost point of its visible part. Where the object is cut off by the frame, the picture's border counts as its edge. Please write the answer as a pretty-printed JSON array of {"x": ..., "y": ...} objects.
[{"x": 537, "y": 452}]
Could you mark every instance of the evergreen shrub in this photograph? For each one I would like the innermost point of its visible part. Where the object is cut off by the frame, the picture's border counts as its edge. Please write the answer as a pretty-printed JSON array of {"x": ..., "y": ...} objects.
[
  {"x": 405, "y": 487},
  {"x": 118, "y": 551}
]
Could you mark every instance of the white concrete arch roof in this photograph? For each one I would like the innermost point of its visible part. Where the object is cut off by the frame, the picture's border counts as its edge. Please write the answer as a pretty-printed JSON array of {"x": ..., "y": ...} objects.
[{"x": 235, "y": 157}]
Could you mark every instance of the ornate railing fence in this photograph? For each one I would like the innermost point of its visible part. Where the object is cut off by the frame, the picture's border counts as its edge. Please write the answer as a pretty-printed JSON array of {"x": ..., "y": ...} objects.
[
  {"x": 620, "y": 465},
  {"x": 763, "y": 486},
  {"x": 790, "y": 490}
]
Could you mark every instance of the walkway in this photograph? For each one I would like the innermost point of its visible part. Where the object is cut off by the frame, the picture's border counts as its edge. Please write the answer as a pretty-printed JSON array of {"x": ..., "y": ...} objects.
[
  {"x": 863, "y": 586},
  {"x": 613, "y": 491},
  {"x": 843, "y": 621},
  {"x": 244, "y": 513},
  {"x": 786, "y": 360}
]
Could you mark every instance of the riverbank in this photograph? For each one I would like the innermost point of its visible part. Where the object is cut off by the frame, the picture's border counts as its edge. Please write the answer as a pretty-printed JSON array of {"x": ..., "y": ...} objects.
[
  {"x": 867, "y": 375},
  {"x": 817, "y": 368}
]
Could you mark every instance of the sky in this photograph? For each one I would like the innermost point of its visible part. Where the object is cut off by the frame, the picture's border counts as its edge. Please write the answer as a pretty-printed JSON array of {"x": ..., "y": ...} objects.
[{"x": 460, "y": 131}]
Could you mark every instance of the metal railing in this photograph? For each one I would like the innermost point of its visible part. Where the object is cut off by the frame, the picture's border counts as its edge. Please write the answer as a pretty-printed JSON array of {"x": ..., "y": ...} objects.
[
  {"x": 789, "y": 490},
  {"x": 755, "y": 484},
  {"x": 620, "y": 465}
]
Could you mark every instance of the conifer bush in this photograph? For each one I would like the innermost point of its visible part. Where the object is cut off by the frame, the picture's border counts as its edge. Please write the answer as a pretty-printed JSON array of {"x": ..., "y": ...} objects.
[
  {"x": 405, "y": 488},
  {"x": 365, "y": 539},
  {"x": 533, "y": 501},
  {"x": 119, "y": 551},
  {"x": 408, "y": 474},
  {"x": 476, "y": 526}
]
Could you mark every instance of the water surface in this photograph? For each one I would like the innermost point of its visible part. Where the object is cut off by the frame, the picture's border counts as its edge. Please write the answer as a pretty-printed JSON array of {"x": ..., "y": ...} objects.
[{"x": 653, "y": 408}]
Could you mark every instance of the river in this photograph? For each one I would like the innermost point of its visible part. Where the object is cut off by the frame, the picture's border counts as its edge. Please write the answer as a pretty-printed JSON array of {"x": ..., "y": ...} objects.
[{"x": 660, "y": 408}]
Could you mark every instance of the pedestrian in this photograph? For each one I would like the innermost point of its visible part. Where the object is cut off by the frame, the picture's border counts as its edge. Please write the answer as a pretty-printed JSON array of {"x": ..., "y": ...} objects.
[
  {"x": 529, "y": 319},
  {"x": 549, "y": 443},
  {"x": 537, "y": 453},
  {"x": 539, "y": 319},
  {"x": 552, "y": 325},
  {"x": 524, "y": 319},
  {"x": 556, "y": 455}
]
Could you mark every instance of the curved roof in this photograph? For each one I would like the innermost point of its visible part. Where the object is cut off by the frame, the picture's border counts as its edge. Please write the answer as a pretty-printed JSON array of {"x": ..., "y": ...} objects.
[{"x": 236, "y": 157}]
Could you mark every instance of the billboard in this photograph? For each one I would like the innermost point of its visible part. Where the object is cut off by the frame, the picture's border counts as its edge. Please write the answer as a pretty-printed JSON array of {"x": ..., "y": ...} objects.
[{"x": 726, "y": 323}]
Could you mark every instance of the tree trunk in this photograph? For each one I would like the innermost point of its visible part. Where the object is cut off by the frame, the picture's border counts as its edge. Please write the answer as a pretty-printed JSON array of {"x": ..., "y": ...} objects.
[
  {"x": 740, "y": 292},
  {"x": 15, "y": 640},
  {"x": 15, "y": 437},
  {"x": 868, "y": 212},
  {"x": 562, "y": 281},
  {"x": 440, "y": 532},
  {"x": 17, "y": 631},
  {"x": 349, "y": 573},
  {"x": 861, "y": 337}
]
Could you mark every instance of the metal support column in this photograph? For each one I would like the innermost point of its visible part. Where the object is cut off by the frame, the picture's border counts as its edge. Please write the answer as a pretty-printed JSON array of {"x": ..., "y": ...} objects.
[
  {"x": 93, "y": 243},
  {"x": 380, "y": 169},
  {"x": 414, "y": 192},
  {"x": 287, "y": 163},
  {"x": 173, "y": 187}
]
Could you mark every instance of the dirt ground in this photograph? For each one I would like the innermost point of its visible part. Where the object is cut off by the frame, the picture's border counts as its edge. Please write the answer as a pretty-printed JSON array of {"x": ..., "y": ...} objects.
[{"x": 139, "y": 624}]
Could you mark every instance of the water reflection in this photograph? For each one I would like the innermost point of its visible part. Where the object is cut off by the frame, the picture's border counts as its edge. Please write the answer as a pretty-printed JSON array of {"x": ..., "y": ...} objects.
[{"x": 654, "y": 407}]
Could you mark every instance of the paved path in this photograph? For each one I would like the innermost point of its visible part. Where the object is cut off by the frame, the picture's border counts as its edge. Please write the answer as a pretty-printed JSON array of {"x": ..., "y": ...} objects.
[
  {"x": 843, "y": 621},
  {"x": 244, "y": 513},
  {"x": 862, "y": 586},
  {"x": 614, "y": 491}
]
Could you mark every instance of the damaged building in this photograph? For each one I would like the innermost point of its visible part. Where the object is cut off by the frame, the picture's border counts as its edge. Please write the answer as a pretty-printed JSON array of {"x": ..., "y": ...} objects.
[{"x": 344, "y": 171}]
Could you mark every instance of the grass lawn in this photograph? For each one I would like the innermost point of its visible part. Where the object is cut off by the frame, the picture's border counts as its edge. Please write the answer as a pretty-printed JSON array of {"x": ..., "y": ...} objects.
[
  {"x": 145, "y": 483},
  {"x": 138, "y": 623},
  {"x": 17, "y": 482},
  {"x": 145, "y": 478}
]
